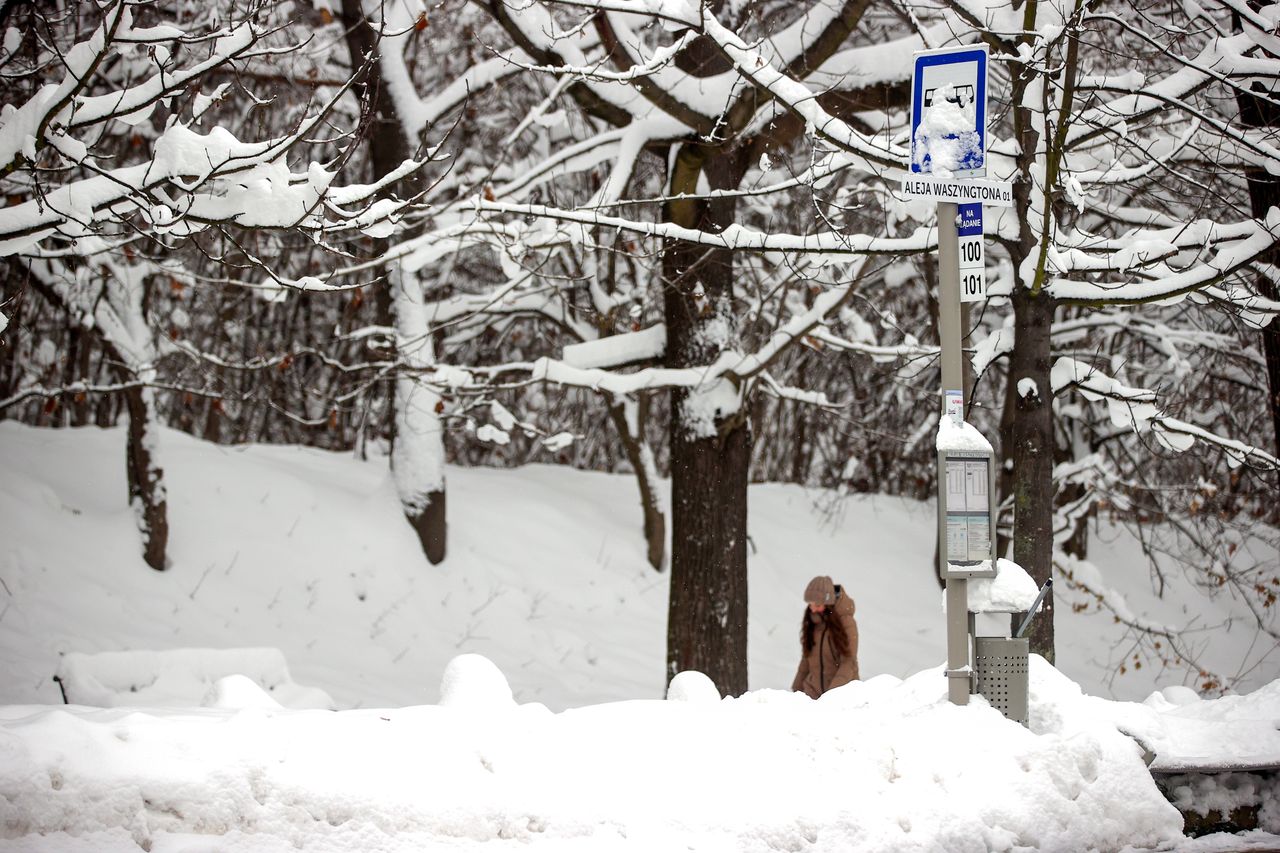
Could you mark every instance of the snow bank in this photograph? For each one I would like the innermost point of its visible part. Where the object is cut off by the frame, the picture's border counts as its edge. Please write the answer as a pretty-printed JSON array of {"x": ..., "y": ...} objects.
[
  {"x": 182, "y": 678},
  {"x": 883, "y": 765},
  {"x": 1184, "y": 731}
]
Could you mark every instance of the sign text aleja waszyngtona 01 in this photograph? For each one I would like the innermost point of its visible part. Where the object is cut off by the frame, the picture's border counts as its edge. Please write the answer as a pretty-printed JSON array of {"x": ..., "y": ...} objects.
[{"x": 966, "y": 190}]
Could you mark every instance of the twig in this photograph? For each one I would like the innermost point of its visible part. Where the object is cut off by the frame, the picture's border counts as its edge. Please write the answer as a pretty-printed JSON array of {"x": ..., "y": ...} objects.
[{"x": 208, "y": 569}]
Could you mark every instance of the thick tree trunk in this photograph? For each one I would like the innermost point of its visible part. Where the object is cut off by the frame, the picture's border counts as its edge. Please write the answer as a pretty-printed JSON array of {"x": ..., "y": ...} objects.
[
  {"x": 1031, "y": 451},
  {"x": 710, "y": 440},
  {"x": 147, "y": 496},
  {"x": 707, "y": 619},
  {"x": 1264, "y": 194}
]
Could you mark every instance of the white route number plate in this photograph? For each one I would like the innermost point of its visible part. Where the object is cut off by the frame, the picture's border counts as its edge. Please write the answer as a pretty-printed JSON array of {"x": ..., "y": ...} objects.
[{"x": 973, "y": 274}]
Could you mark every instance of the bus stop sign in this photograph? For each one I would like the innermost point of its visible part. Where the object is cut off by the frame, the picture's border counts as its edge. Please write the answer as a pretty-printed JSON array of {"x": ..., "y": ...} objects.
[{"x": 949, "y": 111}]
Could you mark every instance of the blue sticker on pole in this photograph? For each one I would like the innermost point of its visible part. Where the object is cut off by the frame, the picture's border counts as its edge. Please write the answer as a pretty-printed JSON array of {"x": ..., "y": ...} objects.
[
  {"x": 969, "y": 220},
  {"x": 949, "y": 112}
]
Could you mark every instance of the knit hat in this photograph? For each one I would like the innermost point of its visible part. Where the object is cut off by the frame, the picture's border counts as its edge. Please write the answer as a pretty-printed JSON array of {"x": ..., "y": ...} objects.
[{"x": 821, "y": 590}]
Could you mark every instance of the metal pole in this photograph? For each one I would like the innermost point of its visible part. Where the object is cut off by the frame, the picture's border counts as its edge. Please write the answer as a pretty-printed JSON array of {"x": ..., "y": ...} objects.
[
  {"x": 1031, "y": 612},
  {"x": 958, "y": 659}
]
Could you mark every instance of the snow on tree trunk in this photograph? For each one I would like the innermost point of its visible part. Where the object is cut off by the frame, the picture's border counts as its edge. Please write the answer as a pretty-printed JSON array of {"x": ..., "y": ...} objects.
[
  {"x": 129, "y": 338},
  {"x": 417, "y": 454},
  {"x": 710, "y": 440},
  {"x": 417, "y": 450}
]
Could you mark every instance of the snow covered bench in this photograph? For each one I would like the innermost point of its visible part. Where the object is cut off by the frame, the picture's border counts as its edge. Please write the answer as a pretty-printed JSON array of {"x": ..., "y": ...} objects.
[
  {"x": 1228, "y": 797},
  {"x": 1217, "y": 761},
  {"x": 184, "y": 678}
]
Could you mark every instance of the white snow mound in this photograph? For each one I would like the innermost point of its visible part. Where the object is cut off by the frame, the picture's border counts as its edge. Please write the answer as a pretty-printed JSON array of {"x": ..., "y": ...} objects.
[
  {"x": 693, "y": 686},
  {"x": 473, "y": 683}
]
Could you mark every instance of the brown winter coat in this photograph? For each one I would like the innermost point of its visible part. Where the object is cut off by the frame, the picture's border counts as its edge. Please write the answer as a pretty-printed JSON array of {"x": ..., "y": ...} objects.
[{"x": 824, "y": 666}]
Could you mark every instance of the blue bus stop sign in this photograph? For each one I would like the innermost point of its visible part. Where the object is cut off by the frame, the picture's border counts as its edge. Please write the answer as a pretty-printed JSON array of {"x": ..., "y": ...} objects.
[{"x": 949, "y": 112}]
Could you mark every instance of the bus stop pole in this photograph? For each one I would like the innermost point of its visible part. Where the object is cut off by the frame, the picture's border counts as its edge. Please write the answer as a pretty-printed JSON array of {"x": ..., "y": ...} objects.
[{"x": 957, "y": 594}]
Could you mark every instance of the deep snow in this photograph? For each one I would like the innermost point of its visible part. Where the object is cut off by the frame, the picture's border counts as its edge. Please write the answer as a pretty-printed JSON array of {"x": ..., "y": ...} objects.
[{"x": 513, "y": 694}]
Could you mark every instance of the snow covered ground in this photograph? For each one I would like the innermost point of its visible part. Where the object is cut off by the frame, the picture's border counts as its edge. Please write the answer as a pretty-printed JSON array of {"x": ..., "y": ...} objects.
[{"x": 512, "y": 696}]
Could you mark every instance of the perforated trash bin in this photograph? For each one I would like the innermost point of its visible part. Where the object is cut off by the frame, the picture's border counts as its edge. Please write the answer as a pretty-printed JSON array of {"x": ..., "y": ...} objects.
[{"x": 1000, "y": 664}]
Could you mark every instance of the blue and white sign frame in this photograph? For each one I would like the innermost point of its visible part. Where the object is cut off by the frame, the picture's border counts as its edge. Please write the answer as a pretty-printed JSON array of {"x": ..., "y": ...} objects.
[{"x": 960, "y": 72}]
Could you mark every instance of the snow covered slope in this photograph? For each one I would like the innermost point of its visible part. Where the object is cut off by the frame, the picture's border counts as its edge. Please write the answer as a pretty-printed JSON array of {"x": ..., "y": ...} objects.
[{"x": 305, "y": 551}]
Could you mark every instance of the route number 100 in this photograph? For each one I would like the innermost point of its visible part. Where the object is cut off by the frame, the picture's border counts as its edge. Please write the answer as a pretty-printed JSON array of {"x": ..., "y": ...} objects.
[{"x": 973, "y": 285}]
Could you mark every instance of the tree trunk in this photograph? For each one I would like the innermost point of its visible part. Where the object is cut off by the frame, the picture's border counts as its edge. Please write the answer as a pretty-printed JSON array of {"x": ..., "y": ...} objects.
[
  {"x": 417, "y": 451},
  {"x": 1031, "y": 450},
  {"x": 147, "y": 496},
  {"x": 116, "y": 317},
  {"x": 710, "y": 439},
  {"x": 75, "y": 404},
  {"x": 1264, "y": 194},
  {"x": 417, "y": 440},
  {"x": 628, "y": 418}
]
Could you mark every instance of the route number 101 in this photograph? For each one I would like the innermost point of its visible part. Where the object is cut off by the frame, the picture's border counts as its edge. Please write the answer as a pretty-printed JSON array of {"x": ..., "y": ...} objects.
[{"x": 973, "y": 285}]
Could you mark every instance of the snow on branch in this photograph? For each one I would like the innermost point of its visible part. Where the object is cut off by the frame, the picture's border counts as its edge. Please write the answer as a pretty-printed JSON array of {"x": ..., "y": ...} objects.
[
  {"x": 58, "y": 110},
  {"x": 618, "y": 350},
  {"x": 536, "y": 31},
  {"x": 580, "y": 156},
  {"x": 1132, "y": 107},
  {"x": 1136, "y": 409},
  {"x": 799, "y": 325},
  {"x": 1087, "y": 577},
  {"x": 877, "y": 352},
  {"x": 661, "y": 59},
  {"x": 183, "y": 181},
  {"x": 795, "y": 395},
  {"x": 589, "y": 365},
  {"x": 797, "y": 97},
  {"x": 1142, "y": 255},
  {"x": 508, "y": 299},
  {"x": 220, "y": 179},
  {"x": 735, "y": 237},
  {"x": 109, "y": 301},
  {"x": 395, "y": 24},
  {"x": 1173, "y": 432}
]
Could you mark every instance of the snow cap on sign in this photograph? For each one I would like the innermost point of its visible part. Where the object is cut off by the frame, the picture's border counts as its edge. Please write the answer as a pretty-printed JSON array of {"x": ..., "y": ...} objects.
[{"x": 957, "y": 435}]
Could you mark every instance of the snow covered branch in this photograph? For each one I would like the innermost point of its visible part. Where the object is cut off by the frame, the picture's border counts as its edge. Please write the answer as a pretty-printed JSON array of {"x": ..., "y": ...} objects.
[{"x": 1136, "y": 409}]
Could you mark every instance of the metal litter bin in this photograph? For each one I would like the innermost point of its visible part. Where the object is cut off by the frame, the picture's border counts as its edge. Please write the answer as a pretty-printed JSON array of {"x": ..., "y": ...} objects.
[{"x": 1000, "y": 667}]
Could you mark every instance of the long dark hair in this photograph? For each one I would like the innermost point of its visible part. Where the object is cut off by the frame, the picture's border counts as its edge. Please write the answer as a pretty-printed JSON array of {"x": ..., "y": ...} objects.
[{"x": 838, "y": 635}]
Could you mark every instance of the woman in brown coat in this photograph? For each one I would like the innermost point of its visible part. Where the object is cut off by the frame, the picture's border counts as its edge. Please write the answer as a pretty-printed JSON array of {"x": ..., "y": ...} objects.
[{"x": 828, "y": 639}]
